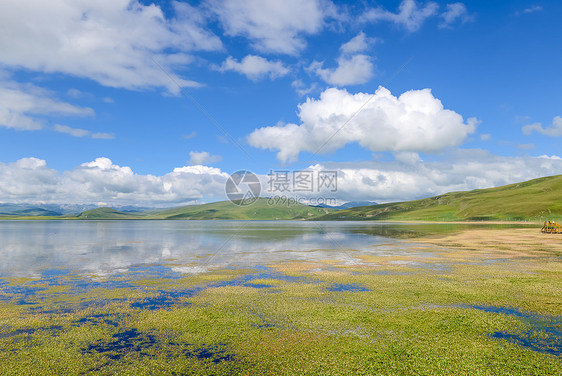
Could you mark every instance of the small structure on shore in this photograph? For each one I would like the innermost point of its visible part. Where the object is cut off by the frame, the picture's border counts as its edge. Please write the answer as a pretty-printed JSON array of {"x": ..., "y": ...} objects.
[{"x": 551, "y": 227}]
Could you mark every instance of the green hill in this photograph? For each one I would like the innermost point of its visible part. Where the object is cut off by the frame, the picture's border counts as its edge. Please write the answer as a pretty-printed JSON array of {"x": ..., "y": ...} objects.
[
  {"x": 537, "y": 199},
  {"x": 259, "y": 210},
  {"x": 107, "y": 213}
]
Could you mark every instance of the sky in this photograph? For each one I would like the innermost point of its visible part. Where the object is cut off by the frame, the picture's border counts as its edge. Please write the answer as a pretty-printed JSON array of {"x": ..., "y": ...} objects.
[{"x": 126, "y": 102}]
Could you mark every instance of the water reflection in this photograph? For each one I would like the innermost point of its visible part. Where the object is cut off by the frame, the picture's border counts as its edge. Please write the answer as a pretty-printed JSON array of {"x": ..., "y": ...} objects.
[{"x": 28, "y": 248}]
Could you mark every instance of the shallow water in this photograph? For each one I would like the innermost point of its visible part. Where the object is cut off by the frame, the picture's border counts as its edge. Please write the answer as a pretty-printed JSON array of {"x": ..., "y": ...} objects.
[{"x": 42, "y": 248}]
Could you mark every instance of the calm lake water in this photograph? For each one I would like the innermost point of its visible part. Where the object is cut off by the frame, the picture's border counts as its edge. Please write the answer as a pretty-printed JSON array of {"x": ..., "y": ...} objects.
[{"x": 36, "y": 248}]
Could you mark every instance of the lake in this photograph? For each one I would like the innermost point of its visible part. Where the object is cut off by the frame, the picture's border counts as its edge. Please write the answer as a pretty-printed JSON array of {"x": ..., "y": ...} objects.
[{"x": 33, "y": 248}]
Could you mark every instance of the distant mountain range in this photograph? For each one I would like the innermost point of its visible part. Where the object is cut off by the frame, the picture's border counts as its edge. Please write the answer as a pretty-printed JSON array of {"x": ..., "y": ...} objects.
[{"x": 53, "y": 210}]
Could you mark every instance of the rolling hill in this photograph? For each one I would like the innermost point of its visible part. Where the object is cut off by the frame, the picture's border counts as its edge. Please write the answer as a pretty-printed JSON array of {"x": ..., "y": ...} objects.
[
  {"x": 107, "y": 213},
  {"x": 259, "y": 210},
  {"x": 537, "y": 199}
]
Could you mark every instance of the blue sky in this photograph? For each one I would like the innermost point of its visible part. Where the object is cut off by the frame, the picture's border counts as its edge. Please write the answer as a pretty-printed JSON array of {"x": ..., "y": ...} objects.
[{"x": 127, "y": 102}]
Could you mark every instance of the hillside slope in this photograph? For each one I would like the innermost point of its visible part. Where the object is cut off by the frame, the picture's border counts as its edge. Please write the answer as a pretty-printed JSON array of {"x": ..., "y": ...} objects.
[
  {"x": 260, "y": 209},
  {"x": 537, "y": 199},
  {"x": 107, "y": 213}
]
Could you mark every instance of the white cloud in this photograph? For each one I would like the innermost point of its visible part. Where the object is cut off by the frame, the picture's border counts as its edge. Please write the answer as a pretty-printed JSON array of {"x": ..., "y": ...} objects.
[
  {"x": 359, "y": 43},
  {"x": 553, "y": 157},
  {"x": 353, "y": 70},
  {"x": 410, "y": 14},
  {"x": 113, "y": 42},
  {"x": 22, "y": 106},
  {"x": 454, "y": 11},
  {"x": 410, "y": 179},
  {"x": 554, "y": 130},
  {"x": 201, "y": 158},
  {"x": 272, "y": 25},
  {"x": 415, "y": 122},
  {"x": 303, "y": 89},
  {"x": 255, "y": 67},
  {"x": 531, "y": 9},
  {"x": 103, "y": 136},
  {"x": 30, "y": 180},
  {"x": 77, "y": 132},
  {"x": 189, "y": 136},
  {"x": 485, "y": 137}
]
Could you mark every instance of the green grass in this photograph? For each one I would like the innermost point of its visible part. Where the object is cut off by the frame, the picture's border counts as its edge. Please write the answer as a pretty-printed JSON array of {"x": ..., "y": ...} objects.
[
  {"x": 107, "y": 213},
  {"x": 538, "y": 200}
]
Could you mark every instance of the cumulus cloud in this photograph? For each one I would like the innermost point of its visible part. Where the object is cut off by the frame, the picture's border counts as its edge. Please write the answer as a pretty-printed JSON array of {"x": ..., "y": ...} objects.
[
  {"x": 407, "y": 177},
  {"x": 554, "y": 130},
  {"x": 27, "y": 179},
  {"x": 203, "y": 157},
  {"x": 255, "y": 67},
  {"x": 455, "y": 11},
  {"x": 22, "y": 106},
  {"x": 272, "y": 25},
  {"x": 30, "y": 180},
  {"x": 353, "y": 70},
  {"x": 415, "y": 121},
  {"x": 410, "y": 14},
  {"x": 77, "y": 132},
  {"x": 115, "y": 43},
  {"x": 411, "y": 178}
]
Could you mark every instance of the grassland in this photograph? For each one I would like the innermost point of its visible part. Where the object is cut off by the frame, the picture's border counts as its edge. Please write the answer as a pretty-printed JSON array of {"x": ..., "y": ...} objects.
[
  {"x": 482, "y": 302},
  {"x": 533, "y": 200},
  {"x": 108, "y": 213}
]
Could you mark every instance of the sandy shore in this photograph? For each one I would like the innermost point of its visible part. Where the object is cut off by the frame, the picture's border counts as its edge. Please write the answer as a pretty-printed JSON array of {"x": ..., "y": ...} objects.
[{"x": 514, "y": 242}]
